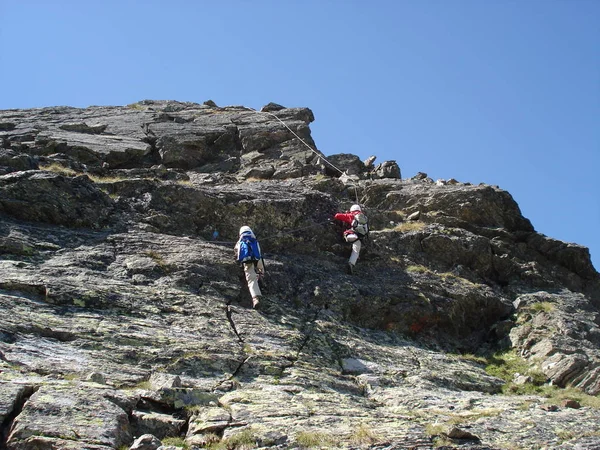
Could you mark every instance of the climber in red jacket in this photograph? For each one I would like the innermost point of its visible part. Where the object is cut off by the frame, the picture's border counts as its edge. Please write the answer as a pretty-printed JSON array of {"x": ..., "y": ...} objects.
[{"x": 356, "y": 231}]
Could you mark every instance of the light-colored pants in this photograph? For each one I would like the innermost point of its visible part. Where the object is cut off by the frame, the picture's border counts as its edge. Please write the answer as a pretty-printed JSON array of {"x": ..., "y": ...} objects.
[
  {"x": 252, "y": 280},
  {"x": 356, "y": 245}
]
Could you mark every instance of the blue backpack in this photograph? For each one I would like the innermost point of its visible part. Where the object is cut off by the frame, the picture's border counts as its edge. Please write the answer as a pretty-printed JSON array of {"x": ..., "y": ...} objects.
[{"x": 248, "y": 250}]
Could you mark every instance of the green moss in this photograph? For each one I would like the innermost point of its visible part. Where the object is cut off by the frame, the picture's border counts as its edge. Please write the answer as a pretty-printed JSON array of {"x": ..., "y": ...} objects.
[
  {"x": 541, "y": 307},
  {"x": 505, "y": 365}
]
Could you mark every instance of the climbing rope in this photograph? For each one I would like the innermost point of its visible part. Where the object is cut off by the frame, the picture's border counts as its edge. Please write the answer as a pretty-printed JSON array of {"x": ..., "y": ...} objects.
[{"x": 320, "y": 155}]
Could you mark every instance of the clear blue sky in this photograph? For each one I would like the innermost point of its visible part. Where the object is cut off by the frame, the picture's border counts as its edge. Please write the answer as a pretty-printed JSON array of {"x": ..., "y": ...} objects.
[{"x": 505, "y": 92}]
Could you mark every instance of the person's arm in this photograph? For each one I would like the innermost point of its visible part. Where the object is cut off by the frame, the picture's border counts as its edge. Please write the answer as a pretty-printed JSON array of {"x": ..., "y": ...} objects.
[
  {"x": 260, "y": 266},
  {"x": 346, "y": 218}
]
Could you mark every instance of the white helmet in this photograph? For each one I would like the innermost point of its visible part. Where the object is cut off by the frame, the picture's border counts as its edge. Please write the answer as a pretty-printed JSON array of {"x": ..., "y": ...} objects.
[
  {"x": 245, "y": 229},
  {"x": 355, "y": 208}
]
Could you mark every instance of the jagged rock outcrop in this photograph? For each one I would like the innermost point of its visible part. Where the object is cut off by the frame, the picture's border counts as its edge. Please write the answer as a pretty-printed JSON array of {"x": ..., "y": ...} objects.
[{"x": 125, "y": 321}]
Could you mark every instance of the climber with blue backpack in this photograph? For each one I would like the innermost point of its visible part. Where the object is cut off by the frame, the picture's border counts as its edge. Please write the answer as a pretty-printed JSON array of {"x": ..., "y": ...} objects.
[
  {"x": 247, "y": 253},
  {"x": 357, "y": 229}
]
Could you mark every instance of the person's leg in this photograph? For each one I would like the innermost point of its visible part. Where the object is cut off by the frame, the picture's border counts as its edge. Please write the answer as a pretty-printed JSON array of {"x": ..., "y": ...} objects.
[
  {"x": 356, "y": 245},
  {"x": 252, "y": 279}
]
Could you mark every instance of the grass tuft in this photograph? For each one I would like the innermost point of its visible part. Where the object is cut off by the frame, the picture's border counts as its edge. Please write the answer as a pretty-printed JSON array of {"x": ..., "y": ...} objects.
[
  {"x": 546, "y": 307},
  {"x": 406, "y": 227},
  {"x": 417, "y": 268},
  {"x": 312, "y": 439},
  {"x": 363, "y": 435},
  {"x": 175, "y": 442},
  {"x": 60, "y": 169}
]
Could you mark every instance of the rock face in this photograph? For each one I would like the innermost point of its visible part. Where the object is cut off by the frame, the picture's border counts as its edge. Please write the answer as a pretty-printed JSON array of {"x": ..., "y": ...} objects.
[{"x": 125, "y": 321}]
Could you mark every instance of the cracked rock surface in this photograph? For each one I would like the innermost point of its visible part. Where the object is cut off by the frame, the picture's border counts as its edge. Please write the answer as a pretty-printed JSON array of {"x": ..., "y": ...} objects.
[{"x": 126, "y": 322}]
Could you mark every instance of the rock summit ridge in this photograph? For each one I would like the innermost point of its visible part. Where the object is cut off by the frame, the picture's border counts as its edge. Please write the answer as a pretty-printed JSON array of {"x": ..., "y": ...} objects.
[{"x": 126, "y": 325}]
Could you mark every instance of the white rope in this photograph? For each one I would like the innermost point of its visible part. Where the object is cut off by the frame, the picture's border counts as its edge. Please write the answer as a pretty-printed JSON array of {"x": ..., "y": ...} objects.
[{"x": 320, "y": 155}]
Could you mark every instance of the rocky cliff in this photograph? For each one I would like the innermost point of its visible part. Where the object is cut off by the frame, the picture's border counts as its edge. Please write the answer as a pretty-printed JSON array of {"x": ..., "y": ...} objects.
[{"x": 125, "y": 322}]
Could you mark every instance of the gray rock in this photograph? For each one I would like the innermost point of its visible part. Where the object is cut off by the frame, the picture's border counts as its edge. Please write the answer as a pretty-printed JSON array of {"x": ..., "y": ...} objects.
[
  {"x": 96, "y": 378},
  {"x": 369, "y": 162},
  {"x": 354, "y": 366},
  {"x": 350, "y": 164},
  {"x": 210, "y": 420},
  {"x": 414, "y": 216},
  {"x": 56, "y": 414},
  {"x": 272, "y": 107},
  {"x": 146, "y": 442},
  {"x": 388, "y": 169},
  {"x": 156, "y": 424},
  {"x": 118, "y": 272},
  {"x": 160, "y": 380}
]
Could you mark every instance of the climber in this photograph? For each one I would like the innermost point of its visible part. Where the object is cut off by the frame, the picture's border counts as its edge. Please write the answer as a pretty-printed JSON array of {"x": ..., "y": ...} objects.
[
  {"x": 357, "y": 229},
  {"x": 247, "y": 253}
]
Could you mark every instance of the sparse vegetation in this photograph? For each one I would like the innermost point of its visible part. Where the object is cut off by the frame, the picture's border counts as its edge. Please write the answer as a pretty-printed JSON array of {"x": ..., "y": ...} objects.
[
  {"x": 145, "y": 385},
  {"x": 312, "y": 439},
  {"x": 406, "y": 227},
  {"x": 104, "y": 179},
  {"x": 158, "y": 259},
  {"x": 417, "y": 268},
  {"x": 70, "y": 376},
  {"x": 136, "y": 106},
  {"x": 542, "y": 307},
  {"x": 363, "y": 435},
  {"x": 248, "y": 349},
  {"x": 60, "y": 169},
  {"x": 243, "y": 440},
  {"x": 451, "y": 276},
  {"x": 443, "y": 442},
  {"x": 506, "y": 365},
  {"x": 434, "y": 429},
  {"x": 175, "y": 442},
  {"x": 68, "y": 172},
  {"x": 471, "y": 416},
  {"x": 192, "y": 410},
  {"x": 473, "y": 358},
  {"x": 557, "y": 395}
]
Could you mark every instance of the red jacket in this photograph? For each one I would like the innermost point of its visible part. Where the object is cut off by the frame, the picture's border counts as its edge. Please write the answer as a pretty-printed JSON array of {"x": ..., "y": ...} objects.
[{"x": 347, "y": 218}]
